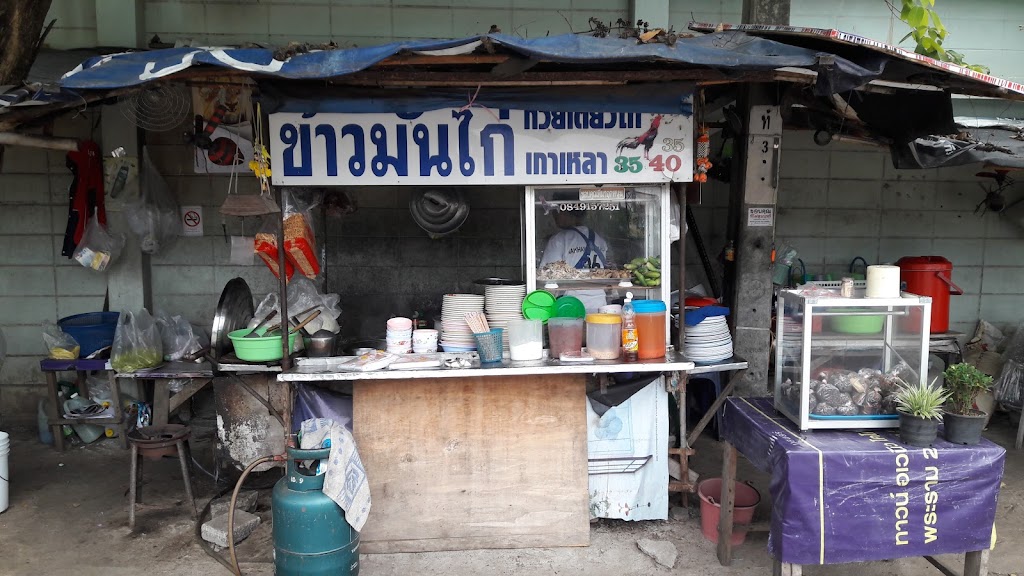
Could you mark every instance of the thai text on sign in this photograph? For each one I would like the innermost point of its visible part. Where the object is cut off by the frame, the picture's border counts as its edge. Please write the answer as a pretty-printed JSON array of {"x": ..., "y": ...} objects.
[{"x": 480, "y": 146}]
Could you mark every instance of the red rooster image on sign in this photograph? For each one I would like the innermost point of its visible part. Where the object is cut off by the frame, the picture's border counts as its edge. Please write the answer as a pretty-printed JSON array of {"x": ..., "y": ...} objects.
[{"x": 646, "y": 139}]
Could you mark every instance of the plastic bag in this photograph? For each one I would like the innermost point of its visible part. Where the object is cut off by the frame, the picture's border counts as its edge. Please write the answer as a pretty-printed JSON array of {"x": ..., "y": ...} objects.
[
  {"x": 303, "y": 295},
  {"x": 177, "y": 336},
  {"x": 299, "y": 239},
  {"x": 99, "y": 390},
  {"x": 60, "y": 344},
  {"x": 153, "y": 217},
  {"x": 137, "y": 342},
  {"x": 265, "y": 245},
  {"x": 98, "y": 248}
]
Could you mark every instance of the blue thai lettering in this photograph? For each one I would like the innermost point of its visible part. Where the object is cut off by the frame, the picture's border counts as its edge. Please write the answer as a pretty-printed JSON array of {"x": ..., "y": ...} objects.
[
  {"x": 590, "y": 160},
  {"x": 382, "y": 161},
  {"x": 292, "y": 137},
  {"x": 508, "y": 148},
  {"x": 566, "y": 163},
  {"x": 466, "y": 163},
  {"x": 330, "y": 147},
  {"x": 357, "y": 161},
  {"x": 547, "y": 120},
  {"x": 442, "y": 160}
]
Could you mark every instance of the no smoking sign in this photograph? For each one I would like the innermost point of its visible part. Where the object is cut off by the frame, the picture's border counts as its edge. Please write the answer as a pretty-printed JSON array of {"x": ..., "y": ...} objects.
[{"x": 191, "y": 220}]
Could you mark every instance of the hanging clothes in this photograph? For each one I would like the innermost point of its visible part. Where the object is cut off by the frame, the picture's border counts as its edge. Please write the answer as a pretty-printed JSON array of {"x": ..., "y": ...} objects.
[{"x": 85, "y": 196}]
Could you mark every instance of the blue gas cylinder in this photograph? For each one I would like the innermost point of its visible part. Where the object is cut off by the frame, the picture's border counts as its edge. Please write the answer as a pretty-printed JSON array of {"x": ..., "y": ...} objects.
[{"x": 311, "y": 535}]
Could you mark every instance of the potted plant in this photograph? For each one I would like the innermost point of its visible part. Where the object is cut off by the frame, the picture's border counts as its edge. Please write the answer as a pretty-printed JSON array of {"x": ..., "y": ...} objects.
[
  {"x": 920, "y": 408},
  {"x": 963, "y": 423}
]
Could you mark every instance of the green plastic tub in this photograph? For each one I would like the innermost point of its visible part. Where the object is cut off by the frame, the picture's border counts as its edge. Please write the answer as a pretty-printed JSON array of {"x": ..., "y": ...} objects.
[
  {"x": 262, "y": 349},
  {"x": 858, "y": 324}
]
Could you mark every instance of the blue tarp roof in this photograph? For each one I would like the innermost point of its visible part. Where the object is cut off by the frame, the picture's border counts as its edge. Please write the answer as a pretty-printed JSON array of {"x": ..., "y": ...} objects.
[{"x": 725, "y": 51}]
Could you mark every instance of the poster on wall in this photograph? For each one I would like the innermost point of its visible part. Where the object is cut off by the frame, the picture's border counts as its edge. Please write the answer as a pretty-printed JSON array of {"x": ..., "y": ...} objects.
[
  {"x": 223, "y": 143},
  {"x": 480, "y": 146}
]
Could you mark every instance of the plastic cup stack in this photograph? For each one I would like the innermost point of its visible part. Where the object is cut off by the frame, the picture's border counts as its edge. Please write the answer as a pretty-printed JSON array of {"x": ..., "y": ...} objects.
[
  {"x": 424, "y": 341},
  {"x": 399, "y": 335}
]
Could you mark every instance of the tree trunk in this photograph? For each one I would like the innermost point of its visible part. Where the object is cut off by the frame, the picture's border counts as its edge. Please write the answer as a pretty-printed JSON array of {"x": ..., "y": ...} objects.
[{"x": 21, "y": 21}]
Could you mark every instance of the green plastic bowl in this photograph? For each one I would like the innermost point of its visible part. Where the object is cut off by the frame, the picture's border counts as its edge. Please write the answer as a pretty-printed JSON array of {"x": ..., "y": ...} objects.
[
  {"x": 858, "y": 324},
  {"x": 539, "y": 305},
  {"x": 262, "y": 349}
]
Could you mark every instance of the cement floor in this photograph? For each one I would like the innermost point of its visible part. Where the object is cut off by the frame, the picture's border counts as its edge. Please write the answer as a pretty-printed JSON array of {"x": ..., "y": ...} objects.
[{"x": 68, "y": 515}]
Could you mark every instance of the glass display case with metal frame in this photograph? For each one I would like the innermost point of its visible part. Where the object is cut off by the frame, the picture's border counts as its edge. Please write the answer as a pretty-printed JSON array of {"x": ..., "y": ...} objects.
[
  {"x": 839, "y": 361},
  {"x": 599, "y": 242}
]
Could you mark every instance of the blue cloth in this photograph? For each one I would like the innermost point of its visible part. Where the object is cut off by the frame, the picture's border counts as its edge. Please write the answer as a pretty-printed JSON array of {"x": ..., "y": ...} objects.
[
  {"x": 694, "y": 317},
  {"x": 726, "y": 51}
]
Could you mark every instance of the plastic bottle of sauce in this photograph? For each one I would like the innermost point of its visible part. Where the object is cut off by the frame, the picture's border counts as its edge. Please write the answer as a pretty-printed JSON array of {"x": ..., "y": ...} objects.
[{"x": 630, "y": 344}]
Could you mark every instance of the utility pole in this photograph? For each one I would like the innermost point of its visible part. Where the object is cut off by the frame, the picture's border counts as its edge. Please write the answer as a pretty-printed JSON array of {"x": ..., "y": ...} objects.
[{"x": 753, "y": 195}]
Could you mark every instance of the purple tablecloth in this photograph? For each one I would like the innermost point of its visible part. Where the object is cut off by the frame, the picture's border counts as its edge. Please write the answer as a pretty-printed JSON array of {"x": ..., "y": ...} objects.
[
  {"x": 51, "y": 365},
  {"x": 848, "y": 496}
]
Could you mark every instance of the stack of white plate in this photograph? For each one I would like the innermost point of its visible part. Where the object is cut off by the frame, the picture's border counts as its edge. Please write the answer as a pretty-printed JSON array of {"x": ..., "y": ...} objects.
[
  {"x": 709, "y": 341},
  {"x": 456, "y": 336},
  {"x": 504, "y": 303}
]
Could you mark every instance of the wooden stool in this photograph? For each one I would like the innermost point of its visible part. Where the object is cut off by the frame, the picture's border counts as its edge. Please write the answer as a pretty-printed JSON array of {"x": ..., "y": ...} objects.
[{"x": 153, "y": 443}]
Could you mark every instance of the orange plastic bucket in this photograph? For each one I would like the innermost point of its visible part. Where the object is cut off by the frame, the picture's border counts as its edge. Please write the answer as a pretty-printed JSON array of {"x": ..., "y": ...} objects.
[{"x": 710, "y": 492}]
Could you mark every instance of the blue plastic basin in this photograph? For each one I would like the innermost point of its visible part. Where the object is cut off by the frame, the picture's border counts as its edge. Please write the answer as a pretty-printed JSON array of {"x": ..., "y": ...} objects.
[{"x": 92, "y": 330}]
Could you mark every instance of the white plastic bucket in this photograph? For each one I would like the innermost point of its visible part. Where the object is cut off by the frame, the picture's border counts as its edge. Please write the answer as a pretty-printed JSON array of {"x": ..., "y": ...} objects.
[{"x": 5, "y": 476}]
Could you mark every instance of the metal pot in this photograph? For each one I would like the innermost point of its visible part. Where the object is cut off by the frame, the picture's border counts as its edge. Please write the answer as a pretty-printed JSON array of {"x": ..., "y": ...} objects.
[
  {"x": 321, "y": 344},
  {"x": 351, "y": 347}
]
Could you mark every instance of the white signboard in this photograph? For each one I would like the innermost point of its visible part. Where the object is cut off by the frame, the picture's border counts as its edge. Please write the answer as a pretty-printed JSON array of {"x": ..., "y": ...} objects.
[
  {"x": 760, "y": 216},
  {"x": 191, "y": 220},
  {"x": 480, "y": 146}
]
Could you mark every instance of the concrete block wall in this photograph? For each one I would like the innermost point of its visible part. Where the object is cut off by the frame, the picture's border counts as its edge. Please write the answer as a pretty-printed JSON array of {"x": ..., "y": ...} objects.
[
  {"x": 846, "y": 200},
  {"x": 37, "y": 284}
]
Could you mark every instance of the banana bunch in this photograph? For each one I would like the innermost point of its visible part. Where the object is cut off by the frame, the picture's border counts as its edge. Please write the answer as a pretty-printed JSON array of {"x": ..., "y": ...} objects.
[{"x": 646, "y": 271}]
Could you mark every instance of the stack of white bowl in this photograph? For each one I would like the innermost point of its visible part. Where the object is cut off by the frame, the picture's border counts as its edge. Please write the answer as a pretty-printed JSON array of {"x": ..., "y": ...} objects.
[
  {"x": 504, "y": 304},
  {"x": 399, "y": 335},
  {"x": 424, "y": 341},
  {"x": 456, "y": 335}
]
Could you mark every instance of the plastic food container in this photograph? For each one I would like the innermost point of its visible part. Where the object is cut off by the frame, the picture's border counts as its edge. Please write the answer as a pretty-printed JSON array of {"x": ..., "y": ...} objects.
[
  {"x": 526, "y": 340},
  {"x": 650, "y": 328},
  {"x": 604, "y": 336},
  {"x": 565, "y": 335}
]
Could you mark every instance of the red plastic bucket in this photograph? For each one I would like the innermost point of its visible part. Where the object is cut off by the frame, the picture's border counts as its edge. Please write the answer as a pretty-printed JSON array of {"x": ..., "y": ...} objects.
[
  {"x": 930, "y": 276},
  {"x": 710, "y": 492}
]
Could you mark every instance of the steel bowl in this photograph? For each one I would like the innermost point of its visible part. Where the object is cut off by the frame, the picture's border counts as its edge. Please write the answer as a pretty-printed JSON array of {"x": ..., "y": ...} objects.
[{"x": 321, "y": 344}]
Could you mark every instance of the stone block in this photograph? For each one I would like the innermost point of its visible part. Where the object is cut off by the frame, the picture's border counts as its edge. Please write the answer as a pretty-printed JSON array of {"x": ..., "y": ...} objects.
[
  {"x": 1002, "y": 280},
  {"x": 350, "y": 21},
  {"x": 959, "y": 225},
  {"x": 246, "y": 502},
  {"x": 215, "y": 531},
  {"x": 28, "y": 220},
  {"x": 293, "y": 20},
  {"x": 662, "y": 551},
  {"x": 16, "y": 250},
  {"x": 27, "y": 281},
  {"x": 854, "y": 194},
  {"x": 421, "y": 23},
  {"x": 1003, "y": 253},
  {"x": 857, "y": 165},
  {"x": 852, "y": 223},
  {"x": 805, "y": 164},
  {"x": 910, "y": 195},
  {"x": 80, "y": 281},
  {"x": 25, "y": 309},
  {"x": 907, "y": 224},
  {"x": 892, "y": 249},
  {"x": 800, "y": 221},
  {"x": 24, "y": 188}
]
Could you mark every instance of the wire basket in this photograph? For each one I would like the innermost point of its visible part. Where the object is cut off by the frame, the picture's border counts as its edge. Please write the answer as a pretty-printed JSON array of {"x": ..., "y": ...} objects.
[{"x": 488, "y": 346}]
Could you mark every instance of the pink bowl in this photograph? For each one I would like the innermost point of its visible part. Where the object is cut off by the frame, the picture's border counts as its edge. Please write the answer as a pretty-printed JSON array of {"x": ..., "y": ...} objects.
[{"x": 400, "y": 324}]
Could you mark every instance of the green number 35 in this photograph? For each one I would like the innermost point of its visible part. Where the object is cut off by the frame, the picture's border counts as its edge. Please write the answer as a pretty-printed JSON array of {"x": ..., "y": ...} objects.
[{"x": 628, "y": 164}]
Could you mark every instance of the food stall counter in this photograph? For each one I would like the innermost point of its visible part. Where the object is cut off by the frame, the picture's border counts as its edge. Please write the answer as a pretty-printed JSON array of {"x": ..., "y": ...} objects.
[{"x": 328, "y": 369}]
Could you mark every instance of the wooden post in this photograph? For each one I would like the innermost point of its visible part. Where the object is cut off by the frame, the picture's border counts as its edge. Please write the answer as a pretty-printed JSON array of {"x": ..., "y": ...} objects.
[
  {"x": 728, "y": 500},
  {"x": 55, "y": 410},
  {"x": 161, "y": 401},
  {"x": 785, "y": 568}
]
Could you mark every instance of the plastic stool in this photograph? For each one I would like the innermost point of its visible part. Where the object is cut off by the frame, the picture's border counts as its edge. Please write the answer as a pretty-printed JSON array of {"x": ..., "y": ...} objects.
[{"x": 153, "y": 443}]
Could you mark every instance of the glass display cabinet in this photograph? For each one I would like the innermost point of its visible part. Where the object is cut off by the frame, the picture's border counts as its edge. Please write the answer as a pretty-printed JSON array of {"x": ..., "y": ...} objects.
[
  {"x": 599, "y": 242},
  {"x": 839, "y": 361}
]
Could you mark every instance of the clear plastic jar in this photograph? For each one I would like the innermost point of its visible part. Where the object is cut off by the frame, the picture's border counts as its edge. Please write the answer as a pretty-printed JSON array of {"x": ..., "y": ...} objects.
[
  {"x": 604, "y": 336},
  {"x": 650, "y": 328},
  {"x": 565, "y": 335}
]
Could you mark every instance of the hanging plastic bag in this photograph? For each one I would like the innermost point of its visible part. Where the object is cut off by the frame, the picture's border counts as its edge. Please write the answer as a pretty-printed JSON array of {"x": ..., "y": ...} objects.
[
  {"x": 303, "y": 295},
  {"x": 299, "y": 239},
  {"x": 153, "y": 217},
  {"x": 98, "y": 248},
  {"x": 137, "y": 342},
  {"x": 177, "y": 336},
  {"x": 60, "y": 344},
  {"x": 265, "y": 245}
]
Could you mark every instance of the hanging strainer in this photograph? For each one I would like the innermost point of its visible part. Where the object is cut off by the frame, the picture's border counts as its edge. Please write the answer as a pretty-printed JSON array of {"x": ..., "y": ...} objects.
[{"x": 158, "y": 108}]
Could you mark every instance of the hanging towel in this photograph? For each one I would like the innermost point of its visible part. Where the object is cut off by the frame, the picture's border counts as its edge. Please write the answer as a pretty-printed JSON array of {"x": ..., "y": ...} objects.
[{"x": 345, "y": 480}]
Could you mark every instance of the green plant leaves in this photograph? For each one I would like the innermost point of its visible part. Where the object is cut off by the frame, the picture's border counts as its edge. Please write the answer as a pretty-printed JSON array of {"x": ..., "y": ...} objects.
[{"x": 929, "y": 32}]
